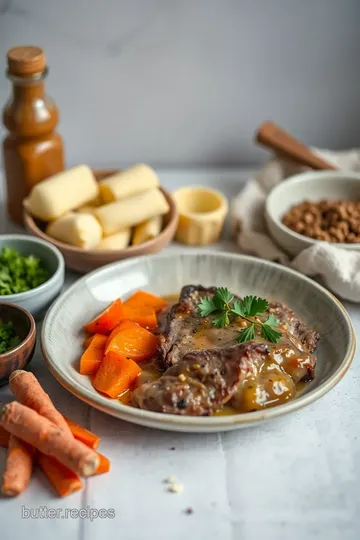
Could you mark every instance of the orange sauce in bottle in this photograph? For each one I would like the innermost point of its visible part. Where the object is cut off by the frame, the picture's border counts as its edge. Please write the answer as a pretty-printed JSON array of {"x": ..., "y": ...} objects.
[{"x": 32, "y": 150}]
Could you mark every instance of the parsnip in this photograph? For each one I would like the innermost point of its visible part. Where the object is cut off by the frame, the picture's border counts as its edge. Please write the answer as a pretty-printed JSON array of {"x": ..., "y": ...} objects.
[
  {"x": 136, "y": 179},
  {"x": 62, "y": 192},
  {"x": 89, "y": 207},
  {"x": 81, "y": 230},
  {"x": 147, "y": 230},
  {"x": 122, "y": 214},
  {"x": 115, "y": 241}
]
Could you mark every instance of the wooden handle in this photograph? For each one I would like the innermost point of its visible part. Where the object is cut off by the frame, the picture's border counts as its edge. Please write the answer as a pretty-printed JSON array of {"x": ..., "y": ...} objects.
[{"x": 276, "y": 138}]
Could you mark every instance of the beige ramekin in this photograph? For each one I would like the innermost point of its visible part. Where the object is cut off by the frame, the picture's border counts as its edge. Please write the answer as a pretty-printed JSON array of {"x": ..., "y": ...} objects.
[{"x": 202, "y": 212}]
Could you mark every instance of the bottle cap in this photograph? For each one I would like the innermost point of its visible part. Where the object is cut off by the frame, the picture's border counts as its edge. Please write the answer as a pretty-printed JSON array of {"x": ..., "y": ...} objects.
[{"x": 26, "y": 60}]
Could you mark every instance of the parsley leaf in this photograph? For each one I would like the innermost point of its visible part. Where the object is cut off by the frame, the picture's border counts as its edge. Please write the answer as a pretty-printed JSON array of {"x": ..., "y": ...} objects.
[
  {"x": 223, "y": 297},
  {"x": 206, "y": 306},
  {"x": 239, "y": 309},
  {"x": 222, "y": 306},
  {"x": 258, "y": 306},
  {"x": 271, "y": 320},
  {"x": 247, "y": 334},
  {"x": 20, "y": 273},
  {"x": 269, "y": 333},
  {"x": 222, "y": 320}
]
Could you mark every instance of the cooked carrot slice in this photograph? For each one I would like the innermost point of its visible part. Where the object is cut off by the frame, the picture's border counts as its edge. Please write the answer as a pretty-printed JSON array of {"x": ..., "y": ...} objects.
[
  {"x": 115, "y": 374},
  {"x": 87, "y": 341},
  {"x": 145, "y": 316},
  {"x": 136, "y": 343},
  {"x": 119, "y": 328},
  {"x": 93, "y": 356},
  {"x": 142, "y": 299},
  {"x": 107, "y": 320}
]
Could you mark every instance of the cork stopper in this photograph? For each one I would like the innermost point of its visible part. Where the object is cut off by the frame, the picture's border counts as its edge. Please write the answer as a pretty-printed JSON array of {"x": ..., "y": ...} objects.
[{"x": 26, "y": 60}]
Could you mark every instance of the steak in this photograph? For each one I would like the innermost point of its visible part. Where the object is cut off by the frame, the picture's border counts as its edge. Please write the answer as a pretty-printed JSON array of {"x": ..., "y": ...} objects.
[
  {"x": 187, "y": 331},
  {"x": 202, "y": 381},
  {"x": 206, "y": 367},
  {"x": 297, "y": 328}
]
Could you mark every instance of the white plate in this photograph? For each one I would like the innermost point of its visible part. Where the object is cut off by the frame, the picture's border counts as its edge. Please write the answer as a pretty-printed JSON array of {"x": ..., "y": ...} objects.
[{"x": 62, "y": 337}]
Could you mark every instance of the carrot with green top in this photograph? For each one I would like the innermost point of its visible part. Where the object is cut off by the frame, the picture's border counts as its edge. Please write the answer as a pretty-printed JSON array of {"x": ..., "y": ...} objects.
[
  {"x": 18, "y": 467},
  {"x": 48, "y": 438}
]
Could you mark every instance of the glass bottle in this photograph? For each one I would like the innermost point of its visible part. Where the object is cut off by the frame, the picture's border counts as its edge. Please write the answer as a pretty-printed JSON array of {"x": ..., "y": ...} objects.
[{"x": 32, "y": 150}]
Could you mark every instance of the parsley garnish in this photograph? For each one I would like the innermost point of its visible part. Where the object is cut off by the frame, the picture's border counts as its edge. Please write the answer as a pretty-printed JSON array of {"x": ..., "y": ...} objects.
[
  {"x": 222, "y": 306},
  {"x": 20, "y": 273}
]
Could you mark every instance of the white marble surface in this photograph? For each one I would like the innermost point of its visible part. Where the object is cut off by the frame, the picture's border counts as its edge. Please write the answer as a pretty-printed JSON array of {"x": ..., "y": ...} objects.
[
  {"x": 296, "y": 478},
  {"x": 187, "y": 82}
]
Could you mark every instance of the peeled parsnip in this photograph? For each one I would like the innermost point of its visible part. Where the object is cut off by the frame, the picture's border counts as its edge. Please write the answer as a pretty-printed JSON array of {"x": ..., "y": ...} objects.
[
  {"x": 136, "y": 179},
  {"x": 89, "y": 207},
  {"x": 81, "y": 230},
  {"x": 116, "y": 241},
  {"x": 147, "y": 230},
  {"x": 122, "y": 214},
  {"x": 62, "y": 192}
]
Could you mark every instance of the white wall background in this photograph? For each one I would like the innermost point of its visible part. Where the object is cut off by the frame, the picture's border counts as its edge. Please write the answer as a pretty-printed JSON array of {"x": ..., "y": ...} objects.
[{"x": 186, "y": 82}]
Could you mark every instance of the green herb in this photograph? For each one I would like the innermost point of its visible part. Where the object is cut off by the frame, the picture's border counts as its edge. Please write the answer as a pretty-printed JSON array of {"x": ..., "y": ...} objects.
[
  {"x": 19, "y": 273},
  {"x": 221, "y": 305},
  {"x": 8, "y": 339}
]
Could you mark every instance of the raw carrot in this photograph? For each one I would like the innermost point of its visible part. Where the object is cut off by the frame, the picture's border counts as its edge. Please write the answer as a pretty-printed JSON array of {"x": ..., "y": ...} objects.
[
  {"x": 25, "y": 386},
  {"x": 82, "y": 434},
  {"x": 118, "y": 328},
  {"x": 143, "y": 298},
  {"x": 92, "y": 357},
  {"x": 104, "y": 465},
  {"x": 87, "y": 341},
  {"x": 115, "y": 374},
  {"x": 4, "y": 437},
  {"x": 63, "y": 479},
  {"x": 48, "y": 438},
  {"x": 136, "y": 343},
  {"x": 107, "y": 320},
  {"x": 18, "y": 467},
  {"x": 144, "y": 316}
]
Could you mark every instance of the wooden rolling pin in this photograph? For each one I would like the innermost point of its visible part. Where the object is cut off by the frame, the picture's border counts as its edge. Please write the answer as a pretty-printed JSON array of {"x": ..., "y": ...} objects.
[{"x": 277, "y": 139}]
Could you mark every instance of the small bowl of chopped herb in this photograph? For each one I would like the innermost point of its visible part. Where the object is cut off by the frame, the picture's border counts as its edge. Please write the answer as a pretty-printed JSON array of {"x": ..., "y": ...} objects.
[
  {"x": 17, "y": 339},
  {"x": 31, "y": 272}
]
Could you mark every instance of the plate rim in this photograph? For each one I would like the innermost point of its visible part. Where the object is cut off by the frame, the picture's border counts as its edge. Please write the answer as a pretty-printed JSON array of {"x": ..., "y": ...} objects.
[{"x": 212, "y": 423}]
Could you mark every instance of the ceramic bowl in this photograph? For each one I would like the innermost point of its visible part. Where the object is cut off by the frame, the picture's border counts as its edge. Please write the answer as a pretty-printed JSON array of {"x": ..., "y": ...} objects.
[
  {"x": 39, "y": 299},
  {"x": 62, "y": 336},
  {"x": 24, "y": 327},
  {"x": 314, "y": 186},
  {"x": 84, "y": 261},
  {"x": 202, "y": 212}
]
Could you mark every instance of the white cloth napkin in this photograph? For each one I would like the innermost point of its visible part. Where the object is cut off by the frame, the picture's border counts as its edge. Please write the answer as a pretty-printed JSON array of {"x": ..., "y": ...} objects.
[{"x": 338, "y": 268}]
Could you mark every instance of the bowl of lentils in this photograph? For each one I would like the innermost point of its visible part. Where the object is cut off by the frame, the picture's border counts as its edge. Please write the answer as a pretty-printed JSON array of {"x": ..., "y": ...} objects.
[{"x": 316, "y": 206}]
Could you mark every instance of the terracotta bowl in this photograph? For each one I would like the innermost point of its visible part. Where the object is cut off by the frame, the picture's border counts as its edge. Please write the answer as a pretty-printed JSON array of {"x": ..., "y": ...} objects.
[
  {"x": 24, "y": 327},
  {"x": 84, "y": 261}
]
